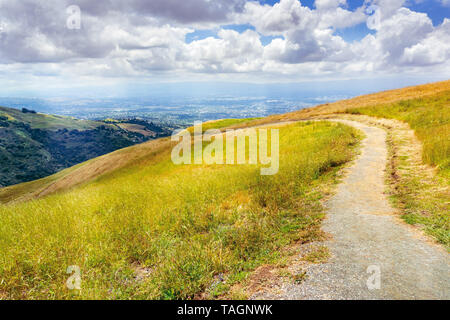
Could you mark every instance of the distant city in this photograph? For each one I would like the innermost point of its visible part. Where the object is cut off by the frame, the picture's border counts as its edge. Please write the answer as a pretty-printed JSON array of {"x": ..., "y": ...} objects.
[
  {"x": 184, "y": 103},
  {"x": 183, "y": 111}
]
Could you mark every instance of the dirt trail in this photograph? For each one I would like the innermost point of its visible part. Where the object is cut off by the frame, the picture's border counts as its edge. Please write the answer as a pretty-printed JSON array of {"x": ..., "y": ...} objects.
[{"x": 366, "y": 233}]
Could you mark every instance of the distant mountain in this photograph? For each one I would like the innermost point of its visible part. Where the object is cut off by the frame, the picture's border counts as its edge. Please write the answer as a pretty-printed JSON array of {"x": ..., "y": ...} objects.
[{"x": 35, "y": 145}]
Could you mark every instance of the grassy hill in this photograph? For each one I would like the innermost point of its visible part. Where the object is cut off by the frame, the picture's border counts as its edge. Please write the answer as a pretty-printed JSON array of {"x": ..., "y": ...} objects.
[
  {"x": 140, "y": 227},
  {"x": 428, "y": 116},
  {"x": 179, "y": 226},
  {"x": 45, "y": 121},
  {"x": 426, "y": 108},
  {"x": 35, "y": 145}
]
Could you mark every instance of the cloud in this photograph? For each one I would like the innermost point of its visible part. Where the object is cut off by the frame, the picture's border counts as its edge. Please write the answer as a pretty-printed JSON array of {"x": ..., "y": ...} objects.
[
  {"x": 36, "y": 32},
  {"x": 301, "y": 47},
  {"x": 340, "y": 18},
  {"x": 283, "y": 16},
  {"x": 308, "y": 34},
  {"x": 232, "y": 52},
  {"x": 138, "y": 38},
  {"x": 186, "y": 11},
  {"x": 386, "y": 49},
  {"x": 329, "y": 4},
  {"x": 432, "y": 50}
]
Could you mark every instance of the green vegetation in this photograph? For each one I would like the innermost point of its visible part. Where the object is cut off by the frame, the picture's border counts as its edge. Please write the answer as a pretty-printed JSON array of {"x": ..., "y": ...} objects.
[
  {"x": 34, "y": 145},
  {"x": 45, "y": 121},
  {"x": 423, "y": 202},
  {"x": 224, "y": 123},
  {"x": 153, "y": 230},
  {"x": 430, "y": 119},
  {"x": 26, "y": 190},
  {"x": 318, "y": 255}
]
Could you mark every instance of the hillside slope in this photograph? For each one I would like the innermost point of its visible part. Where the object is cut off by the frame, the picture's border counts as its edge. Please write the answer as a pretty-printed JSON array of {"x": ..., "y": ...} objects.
[
  {"x": 140, "y": 227},
  {"x": 149, "y": 229},
  {"x": 426, "y": 108},
  {"x": 372, "y": 100},
  {"x": 34, "y": 145},
  {"x": 369, "y": 100},
  {"x": 95, "y": 168},
  {"x": 435, "y": 91}
]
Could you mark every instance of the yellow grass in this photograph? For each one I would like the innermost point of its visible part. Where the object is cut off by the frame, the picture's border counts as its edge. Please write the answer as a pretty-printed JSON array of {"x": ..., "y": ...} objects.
[
  {"x": 95, "y": 168},
  {"x": 150, "y": 229}
]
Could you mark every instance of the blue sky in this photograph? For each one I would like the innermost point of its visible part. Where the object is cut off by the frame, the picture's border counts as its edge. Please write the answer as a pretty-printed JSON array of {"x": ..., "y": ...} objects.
[
  {"x": 435, "y": 10},
  {"x": 117, "y": 43},
  {"x": 203, "y": 34}
]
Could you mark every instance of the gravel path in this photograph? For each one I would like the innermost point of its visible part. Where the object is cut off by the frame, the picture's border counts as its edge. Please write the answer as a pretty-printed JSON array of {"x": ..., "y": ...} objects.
[{"x": 365, "y": 233}]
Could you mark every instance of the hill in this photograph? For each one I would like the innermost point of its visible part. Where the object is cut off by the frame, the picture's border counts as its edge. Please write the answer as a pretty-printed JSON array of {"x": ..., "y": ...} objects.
[
  {"x": 35, "y": 145},
  {"x": 426, "y": 108},
  {"x": 95, "y": 168},
  {"x": 378, "y": 101},
  {"x": 140, "y": 227}
]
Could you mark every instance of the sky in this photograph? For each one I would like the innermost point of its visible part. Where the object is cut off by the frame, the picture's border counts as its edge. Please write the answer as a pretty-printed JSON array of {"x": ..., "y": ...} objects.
[{"x": 56, "y": 45}]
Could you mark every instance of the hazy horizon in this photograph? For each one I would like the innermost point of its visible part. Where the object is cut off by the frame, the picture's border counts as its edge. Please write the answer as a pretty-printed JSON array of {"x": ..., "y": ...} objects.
[{"x": 187, "y": 102}]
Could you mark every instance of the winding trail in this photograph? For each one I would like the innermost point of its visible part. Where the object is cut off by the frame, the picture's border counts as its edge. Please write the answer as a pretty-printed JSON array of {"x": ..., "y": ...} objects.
[{"x": 365, "y": 232}]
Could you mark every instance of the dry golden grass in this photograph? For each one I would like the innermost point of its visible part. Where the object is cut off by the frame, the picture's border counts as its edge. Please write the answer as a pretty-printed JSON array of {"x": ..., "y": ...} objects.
[
  {"x": 384, "y": 97},
  {"x": 96, "y": 168},
  {"x": 136, "y": 128},
  {"x": 83, "y": 173}
]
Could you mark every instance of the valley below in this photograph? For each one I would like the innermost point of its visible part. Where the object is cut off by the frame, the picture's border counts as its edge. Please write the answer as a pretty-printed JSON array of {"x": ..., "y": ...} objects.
[{"x": 35, "y": 145}]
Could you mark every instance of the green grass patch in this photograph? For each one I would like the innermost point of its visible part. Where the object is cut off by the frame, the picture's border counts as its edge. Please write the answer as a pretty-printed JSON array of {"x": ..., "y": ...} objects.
[
  {"x": 423, "y": 202},
  {"x": 224, "y": 123},
  {"x": 45, "y": 121},
  {"x": 318, "y": 255}
]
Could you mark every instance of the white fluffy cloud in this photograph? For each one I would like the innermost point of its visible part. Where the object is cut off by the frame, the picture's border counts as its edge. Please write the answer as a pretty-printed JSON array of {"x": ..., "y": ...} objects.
[
  {"x": 232, "y": 52},
  {"x": 146, "y": 38},
  {"x": 433, "y": 49},
  {"x": 282, "y": 17},
  {"x": 406, "y": 40},
  {"x": 329, "y": 4},
  {"x": 402, "y": 30}
]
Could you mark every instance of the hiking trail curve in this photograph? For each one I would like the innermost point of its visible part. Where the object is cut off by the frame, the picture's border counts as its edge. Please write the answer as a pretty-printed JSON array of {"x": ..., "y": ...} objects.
[{"x": 368, "y": 242}]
